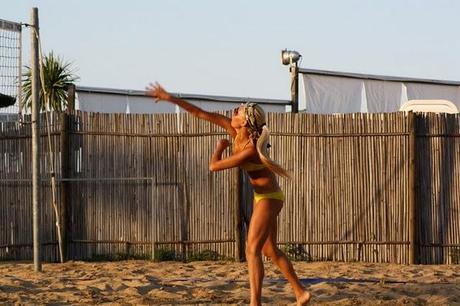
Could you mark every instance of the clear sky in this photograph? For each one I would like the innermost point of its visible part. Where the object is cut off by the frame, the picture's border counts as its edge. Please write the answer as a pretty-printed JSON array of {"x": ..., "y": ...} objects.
[{"x": 233, "y": 47}]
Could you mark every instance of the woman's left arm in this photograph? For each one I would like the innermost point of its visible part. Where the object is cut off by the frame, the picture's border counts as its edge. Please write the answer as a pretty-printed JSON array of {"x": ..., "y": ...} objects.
[{"x": 217, "y": 163}]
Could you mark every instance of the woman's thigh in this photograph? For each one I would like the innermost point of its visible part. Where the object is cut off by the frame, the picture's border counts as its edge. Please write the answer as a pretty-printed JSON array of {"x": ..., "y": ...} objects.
[{"x": 263, "y": 222}]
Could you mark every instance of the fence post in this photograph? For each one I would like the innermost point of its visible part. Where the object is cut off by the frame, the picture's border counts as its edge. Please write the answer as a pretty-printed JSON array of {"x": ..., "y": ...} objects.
[
  {"x": 411, "y": 200},
  {"x": 238, "y": 223},
  {"x": 71, "y": 97},
  {"x": 64, "y": 144},
  {"x": 36, "y": 184}
]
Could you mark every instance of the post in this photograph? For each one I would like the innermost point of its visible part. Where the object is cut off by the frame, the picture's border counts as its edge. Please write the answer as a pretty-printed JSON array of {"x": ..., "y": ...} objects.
[
  {"x": 34, "y": 63},
  {"x": 411, "y": 200},
  {"x": 19, "y": 96},
  {"x": 71, "y": 97},
  {"x": 294, "y": 69},
  {"x": 238, "y": 223},
  {"x": 64, "y": 144}
]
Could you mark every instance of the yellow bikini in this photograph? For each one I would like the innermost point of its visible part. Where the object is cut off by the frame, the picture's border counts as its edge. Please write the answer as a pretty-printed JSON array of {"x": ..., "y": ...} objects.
[{"x": 277, "y": 195}]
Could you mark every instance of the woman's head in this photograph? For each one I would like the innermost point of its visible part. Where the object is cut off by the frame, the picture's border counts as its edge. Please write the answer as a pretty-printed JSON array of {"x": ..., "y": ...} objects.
[
  {"x": 251, "y": 116},
  {"x": 255, "y": 117}
]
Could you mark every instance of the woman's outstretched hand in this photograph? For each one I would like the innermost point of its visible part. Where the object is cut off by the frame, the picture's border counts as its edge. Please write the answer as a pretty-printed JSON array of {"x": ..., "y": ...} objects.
[{"x": 158, "y": 92}]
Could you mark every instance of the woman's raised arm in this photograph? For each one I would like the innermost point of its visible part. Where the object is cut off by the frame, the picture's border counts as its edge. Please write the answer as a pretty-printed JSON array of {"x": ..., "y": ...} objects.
[{"x": 159, "y": 93}]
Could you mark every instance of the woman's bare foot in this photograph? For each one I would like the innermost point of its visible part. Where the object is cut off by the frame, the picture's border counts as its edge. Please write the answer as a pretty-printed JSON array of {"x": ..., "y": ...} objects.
[{"x": 304, "y": 298}]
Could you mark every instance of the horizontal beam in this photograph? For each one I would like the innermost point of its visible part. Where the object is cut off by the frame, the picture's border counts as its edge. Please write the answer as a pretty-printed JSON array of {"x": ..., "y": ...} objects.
[
  {"x": 345, "y": 242},
  {"x": 10, "y": 26}
]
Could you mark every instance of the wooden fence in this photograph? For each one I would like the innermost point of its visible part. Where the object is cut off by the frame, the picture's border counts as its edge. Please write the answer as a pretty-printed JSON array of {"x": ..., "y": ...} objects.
[{"x": 140, "y": 184}]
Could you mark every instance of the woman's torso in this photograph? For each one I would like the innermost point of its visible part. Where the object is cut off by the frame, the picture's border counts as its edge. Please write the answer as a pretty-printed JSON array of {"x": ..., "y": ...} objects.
[{"x": 263, "y": 180}]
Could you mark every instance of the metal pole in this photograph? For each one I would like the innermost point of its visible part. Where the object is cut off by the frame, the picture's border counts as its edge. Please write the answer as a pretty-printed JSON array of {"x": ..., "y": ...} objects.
[
  {"x": 35, "y": 139},
  {"x": 19, "y": 95},
  {"x": 65, "y": 171},
  {"x": 294, "y": 69}
]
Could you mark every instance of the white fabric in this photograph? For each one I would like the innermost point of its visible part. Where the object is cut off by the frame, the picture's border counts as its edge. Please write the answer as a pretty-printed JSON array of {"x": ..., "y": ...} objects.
[
  {"x": 420, "y": 91},
  {"x": 330, "y": 94},
  {"x": 364, "y": 107},
  {"x": 383, "y": 96},
  {"x": 325, "y": 94}
]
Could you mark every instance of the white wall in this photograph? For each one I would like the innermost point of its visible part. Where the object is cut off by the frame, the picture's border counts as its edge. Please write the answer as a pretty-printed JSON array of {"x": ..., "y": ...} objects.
[{"x": 104, "y": 102}]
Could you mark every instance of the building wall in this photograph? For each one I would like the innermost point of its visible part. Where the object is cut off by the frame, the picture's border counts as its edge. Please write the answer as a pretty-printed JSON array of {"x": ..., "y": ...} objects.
[{"x": 134, "y": 102}]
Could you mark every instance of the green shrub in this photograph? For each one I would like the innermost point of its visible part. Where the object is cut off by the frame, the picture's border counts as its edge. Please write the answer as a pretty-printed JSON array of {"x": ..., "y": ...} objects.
[
  {"x": 204, "y": 256},
  {"x": 296, "y": 252},
  {"x": 118, "y": 257},
  {"x": 165, "y": 255},
  {"x": 455, "y": 255}
]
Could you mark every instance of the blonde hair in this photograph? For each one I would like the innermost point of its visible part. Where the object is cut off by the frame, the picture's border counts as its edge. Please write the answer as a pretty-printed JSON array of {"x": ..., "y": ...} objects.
[{"x": 255, "y": 116}]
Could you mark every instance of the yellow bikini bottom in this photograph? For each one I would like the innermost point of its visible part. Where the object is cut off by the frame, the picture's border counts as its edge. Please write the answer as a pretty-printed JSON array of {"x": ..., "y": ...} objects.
[{"x": 277, "y": 195}]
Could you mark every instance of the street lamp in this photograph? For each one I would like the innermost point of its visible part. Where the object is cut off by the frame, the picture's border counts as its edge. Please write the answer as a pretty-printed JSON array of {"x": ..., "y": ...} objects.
[{"x": 289, "y": 57}]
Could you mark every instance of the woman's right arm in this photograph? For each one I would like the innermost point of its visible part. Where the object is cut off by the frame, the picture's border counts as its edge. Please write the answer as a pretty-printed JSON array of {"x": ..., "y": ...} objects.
[{"x": 158, "y": 92}]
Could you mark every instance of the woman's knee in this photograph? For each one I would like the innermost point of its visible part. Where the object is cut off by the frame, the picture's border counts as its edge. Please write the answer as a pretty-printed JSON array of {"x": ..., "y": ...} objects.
[
  {"x": 271, "y": 252},
  {"x": 253, "y": 249}
]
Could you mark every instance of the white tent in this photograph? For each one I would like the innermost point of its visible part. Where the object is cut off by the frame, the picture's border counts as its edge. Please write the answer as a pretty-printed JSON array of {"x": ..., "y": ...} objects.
[{"x": 328, "y": 92}]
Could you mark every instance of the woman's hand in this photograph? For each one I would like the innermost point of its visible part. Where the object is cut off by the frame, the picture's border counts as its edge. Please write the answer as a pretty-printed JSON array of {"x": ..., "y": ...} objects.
[
  {"x": 222, "y": 144},
  {"x": 158, "y": 92}
]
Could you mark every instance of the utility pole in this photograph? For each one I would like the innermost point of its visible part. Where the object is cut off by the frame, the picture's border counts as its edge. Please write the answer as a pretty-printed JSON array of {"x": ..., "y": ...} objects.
[
  {"x": 294, "y": 69},
  {"x": 36, "y": 184},
  {"x": 289, "y": 57}
]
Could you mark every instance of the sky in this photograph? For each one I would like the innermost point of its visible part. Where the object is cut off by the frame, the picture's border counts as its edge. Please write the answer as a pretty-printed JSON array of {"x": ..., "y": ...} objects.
[{"x": 232, "y": 48}]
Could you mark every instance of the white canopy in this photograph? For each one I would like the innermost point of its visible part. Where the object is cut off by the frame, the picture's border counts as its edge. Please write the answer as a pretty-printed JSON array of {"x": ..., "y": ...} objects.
[{"x": 327, "y": 92}]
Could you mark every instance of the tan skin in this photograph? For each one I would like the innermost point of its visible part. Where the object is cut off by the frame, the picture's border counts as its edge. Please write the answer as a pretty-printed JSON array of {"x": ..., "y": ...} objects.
[{"x": 262, "y": 233}]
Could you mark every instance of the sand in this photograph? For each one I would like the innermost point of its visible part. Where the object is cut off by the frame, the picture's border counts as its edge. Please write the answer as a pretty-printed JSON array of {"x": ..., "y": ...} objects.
[{"x": 145, "y": 282}]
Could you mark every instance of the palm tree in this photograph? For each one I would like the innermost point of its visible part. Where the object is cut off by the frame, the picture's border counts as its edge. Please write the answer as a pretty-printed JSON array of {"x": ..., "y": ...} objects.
[{"x": 58, "y": 76}]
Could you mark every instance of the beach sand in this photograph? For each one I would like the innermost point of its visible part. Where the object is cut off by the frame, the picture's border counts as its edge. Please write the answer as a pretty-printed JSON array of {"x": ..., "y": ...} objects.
[{"x": 145, "y": 282}]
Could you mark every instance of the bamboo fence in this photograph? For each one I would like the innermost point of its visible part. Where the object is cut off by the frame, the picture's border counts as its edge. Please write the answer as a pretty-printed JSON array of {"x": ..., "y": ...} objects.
[{"x": 140, "y": 184}]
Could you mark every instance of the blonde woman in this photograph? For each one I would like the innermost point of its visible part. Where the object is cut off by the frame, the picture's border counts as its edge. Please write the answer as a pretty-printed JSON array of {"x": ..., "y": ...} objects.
[{"x": 249, "y": 132}]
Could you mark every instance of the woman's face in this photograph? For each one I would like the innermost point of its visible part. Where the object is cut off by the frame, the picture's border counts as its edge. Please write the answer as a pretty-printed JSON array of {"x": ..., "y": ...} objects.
[{"x": 239, "y": 117}]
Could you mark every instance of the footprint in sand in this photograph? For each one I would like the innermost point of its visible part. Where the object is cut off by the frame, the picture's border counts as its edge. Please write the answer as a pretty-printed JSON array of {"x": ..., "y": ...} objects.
[
  {"x": 143, "y": 290},
  {"x": 138, "y": 271},
  {"x": 119, "y": 287},
  {"x": 221, "y": 274}
]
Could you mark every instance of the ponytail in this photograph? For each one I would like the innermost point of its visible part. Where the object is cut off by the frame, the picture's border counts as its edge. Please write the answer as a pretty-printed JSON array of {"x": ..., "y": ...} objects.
[{"x": 262, "y": 145}]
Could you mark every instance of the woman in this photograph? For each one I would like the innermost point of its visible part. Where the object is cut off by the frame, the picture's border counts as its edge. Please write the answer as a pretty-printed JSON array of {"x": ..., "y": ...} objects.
[{"x": 249, "y": 132}]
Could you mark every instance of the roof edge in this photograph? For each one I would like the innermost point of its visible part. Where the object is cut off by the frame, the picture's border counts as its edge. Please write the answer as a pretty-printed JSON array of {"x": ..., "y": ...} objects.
[{"x": 377, "y": 77}]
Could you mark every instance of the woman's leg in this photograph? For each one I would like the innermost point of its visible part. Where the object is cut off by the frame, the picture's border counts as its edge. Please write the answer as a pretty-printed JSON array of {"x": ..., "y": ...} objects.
[
  {"x": 271, "y": 250},
  {"x": 264, "y": 212}
]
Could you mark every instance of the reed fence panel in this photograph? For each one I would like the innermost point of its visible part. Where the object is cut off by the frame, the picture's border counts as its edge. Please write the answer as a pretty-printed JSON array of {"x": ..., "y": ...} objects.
[
  {"x": 438, "y": 188},
  {"x": 137, "y": 184}
]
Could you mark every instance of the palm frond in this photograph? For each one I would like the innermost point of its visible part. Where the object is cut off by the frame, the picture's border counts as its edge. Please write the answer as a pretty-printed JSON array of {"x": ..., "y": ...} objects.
[{"x": 58, "y": 76}]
